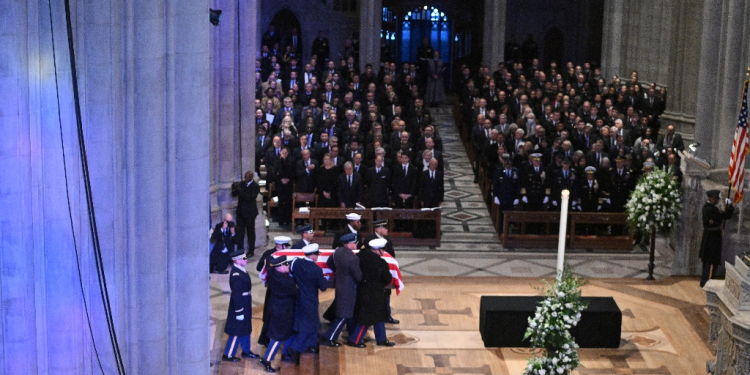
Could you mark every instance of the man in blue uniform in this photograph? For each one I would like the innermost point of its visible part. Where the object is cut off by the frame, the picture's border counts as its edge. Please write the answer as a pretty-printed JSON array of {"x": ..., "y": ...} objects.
[
  {"x": 310, "y": 279},
  {"x": 282, "y": 243},
  {"x": 348, "y": 274},
  {"x": 713, "y": 218},
  {"x": 506, "y": 185},
  {"x": 239, "y": 323},
  {"x": 282, "y": 292},
  {"x": 307, "y": 233},
  {"x": 353, "y": 226},
  {"x": 372, "y": 304}
]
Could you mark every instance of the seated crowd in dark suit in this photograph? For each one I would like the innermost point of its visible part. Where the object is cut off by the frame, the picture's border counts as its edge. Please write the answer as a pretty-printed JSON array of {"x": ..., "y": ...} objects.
[
  {"x": 535, "y": 132},
  {"x": 352, "y": 137}
]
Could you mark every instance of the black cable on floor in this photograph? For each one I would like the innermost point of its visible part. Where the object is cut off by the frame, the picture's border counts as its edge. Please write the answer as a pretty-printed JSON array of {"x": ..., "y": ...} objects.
[{"x": 67, "y": 191}]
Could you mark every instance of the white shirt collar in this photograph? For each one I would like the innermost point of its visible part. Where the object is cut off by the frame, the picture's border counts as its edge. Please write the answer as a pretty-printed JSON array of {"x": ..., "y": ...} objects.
[{"x": 239, "y": 268}]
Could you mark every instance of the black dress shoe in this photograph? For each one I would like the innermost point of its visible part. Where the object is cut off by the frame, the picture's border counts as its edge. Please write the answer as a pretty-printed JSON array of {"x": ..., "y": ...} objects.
[
  {"x": 312, "y": 350},
  {"x": 229, "y": 359},
  {"x": 352, "y": 344},
  {"x": 386, "y": 343},
  {"x": 393, "y": 321},
  {"x": 331, "y": 343},
  {"x": 295, "y": 355},
  {"x": 267, "y": 365},
  {"x": 286, "y": 358},
  {"x": 249, "y": 355}
]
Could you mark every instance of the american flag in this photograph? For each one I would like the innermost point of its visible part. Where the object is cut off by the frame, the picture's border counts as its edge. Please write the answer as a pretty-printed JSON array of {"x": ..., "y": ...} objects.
[{"x": 740, "y": 148}]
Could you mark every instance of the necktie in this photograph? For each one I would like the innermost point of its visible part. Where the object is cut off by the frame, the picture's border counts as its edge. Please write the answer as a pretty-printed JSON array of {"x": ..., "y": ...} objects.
[
  {"x": 487, "y": 131},
  {"x": 294, "y": 41},
  {"x": 261, "y": 140},
  {"x": 328, "y": 96},
  {"x": 669, "y": 140},
  {"x": 507, "y": 172},
  {"x": 277, "y": 152},
  {"x": 432, "y": 175},
  {"x": 405, "y": 170},
  {"x": 565, "y": 175},
  {"x": 620, "y": 171},
  {"x": 377, "y": 170},
  {"x": 536, "y": 169},
  {"x": 307, "y": 164},
  {"x": 293, "y": 82},
  {"x": 350, "y": 180}
]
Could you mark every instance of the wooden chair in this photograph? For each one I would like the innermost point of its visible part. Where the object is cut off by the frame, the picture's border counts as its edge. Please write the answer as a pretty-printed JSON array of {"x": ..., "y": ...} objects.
[
  {"x": 309, "y": 199},
  {"x": 271, "y": 203}
]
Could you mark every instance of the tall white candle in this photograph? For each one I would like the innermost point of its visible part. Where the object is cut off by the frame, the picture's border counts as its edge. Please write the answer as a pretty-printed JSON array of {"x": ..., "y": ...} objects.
[{"x": 563, "y": 230}]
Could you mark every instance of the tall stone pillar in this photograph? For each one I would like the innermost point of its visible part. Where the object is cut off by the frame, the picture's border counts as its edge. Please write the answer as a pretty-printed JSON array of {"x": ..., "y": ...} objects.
[
  {"x": 167, "y": 186},
  {"x": 494, "y": 32},
  {"x": 370, "y": 22},
  {"x": 18, "y": 335},
  {"x": 612, "y": 40}
]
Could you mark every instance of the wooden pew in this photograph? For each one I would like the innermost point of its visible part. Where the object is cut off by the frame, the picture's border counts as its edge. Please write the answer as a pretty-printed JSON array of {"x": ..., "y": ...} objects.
[
  {"x": 416, "y": 215},
  {"x": 609, "y": 242},
  {"x": 549, "y": 238},
  {"x": 368, "y": 215},
  {"x": 331, "y": 213}
]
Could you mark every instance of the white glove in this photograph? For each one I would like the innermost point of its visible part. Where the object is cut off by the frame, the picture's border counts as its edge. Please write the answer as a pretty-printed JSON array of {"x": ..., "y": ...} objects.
[
  {"x": 546, "y": 199},
  {"x": 579, "y": 208},
  {"x": 727, "y": 201},
  {"x": 241, "y": 317},
  {"x": 607, "y": 200},
  {"x": 525, "y": 200},
  {"x": 554, "y": 203},
  {"x": 497, "y": 201},
  {"x": 515, "y": 202},
  {"x": 599, "y": 208},
  {"x": 328, "y": 277}
]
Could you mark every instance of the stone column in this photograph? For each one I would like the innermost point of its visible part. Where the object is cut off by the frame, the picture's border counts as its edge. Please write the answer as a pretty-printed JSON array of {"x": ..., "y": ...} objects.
[
  {"x": 370, "y": 23},
  {"x": 167, "y": 187},
  {"x": 18, "y": 334},
  {"x": 612, "y": 39},
  {"x": 705, "y": 117},
  {"x": 494, "y": 32}
]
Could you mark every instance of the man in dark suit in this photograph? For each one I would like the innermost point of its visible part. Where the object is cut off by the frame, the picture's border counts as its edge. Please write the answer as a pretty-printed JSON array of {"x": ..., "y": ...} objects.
[
  {"x": 246, "y": 192},
  {"x": 404, "y": 183},
  {"x": 378, "y": 181},
  {"x": 349, "y": 187},
  {"x": 348, "y": 274},
  {"x": 262, "y": 143},
  {"x": 306, "y": 173},
  {"x": 595, "y": 157},
  {"x": 223, "y": 240},
  {"x": 670, "y": 140},
  {"x": 431, "y": 186}
]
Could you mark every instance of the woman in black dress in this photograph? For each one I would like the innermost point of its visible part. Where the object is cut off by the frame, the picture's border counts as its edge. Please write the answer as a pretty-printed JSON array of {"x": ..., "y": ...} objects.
[
  {"x": 327, "y": 177},
  {"x": 284, "y": 185}
]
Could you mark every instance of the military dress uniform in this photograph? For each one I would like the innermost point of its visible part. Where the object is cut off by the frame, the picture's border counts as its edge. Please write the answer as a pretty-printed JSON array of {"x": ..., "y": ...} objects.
[
  {"x": 348, "y": 274},
  {"x": 713, "y": 220},
  {"x": 589, "y": 197},
  {"x": 622, "y": 185},
  {"x": 239, "y": 325},
  {"x": 282, "y": 292},
  {"x": 506, "y": 184},
  {"x": 535, "y": 189},
  {"x": 310, "y": 279},
  {"x": 372, "y": 303},
  {"x": 564, "y": 180}
]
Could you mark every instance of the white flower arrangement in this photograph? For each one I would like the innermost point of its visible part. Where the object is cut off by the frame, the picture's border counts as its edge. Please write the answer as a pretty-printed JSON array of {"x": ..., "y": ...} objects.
[
  {"x": 549, "y": 327},
  {"x": 655, "y": 202}
]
